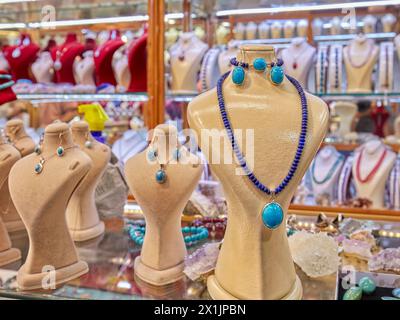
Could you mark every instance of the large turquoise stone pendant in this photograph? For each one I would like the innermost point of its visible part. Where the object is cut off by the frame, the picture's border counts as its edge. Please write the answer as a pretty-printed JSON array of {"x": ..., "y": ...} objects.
[
  {"x": 259, "y": 64},
  {"x": 238, "y": 75},
  {"x": 60, "y": 151},
  {"x": 161, "y": 176},
  {"x": 277, "y": 75},
  {"x": 272, "y": 215}
]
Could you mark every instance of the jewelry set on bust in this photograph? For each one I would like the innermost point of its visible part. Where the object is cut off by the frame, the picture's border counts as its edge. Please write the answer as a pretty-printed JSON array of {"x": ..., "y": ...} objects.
[
  {"x": 272, "y": 213},
  {"x": 59, "y": 152},
  {"x": 161, "y": 175}
]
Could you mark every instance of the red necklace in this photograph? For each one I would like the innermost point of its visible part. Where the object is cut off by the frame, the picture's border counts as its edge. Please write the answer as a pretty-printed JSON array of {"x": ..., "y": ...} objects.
[{"x": 374, "y": 169}]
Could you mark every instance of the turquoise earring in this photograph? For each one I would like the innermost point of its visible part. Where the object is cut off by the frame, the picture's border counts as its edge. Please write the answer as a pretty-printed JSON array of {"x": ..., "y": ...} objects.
[
  {"x": 238, "y": 75},
  {"x": 259, "y": 64},
  {"x": 276, "y": 74},
  {"x": 60, "y": 149}
]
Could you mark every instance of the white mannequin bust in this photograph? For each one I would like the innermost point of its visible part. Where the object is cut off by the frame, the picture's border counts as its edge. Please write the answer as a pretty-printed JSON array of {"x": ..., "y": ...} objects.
[
  {"x": 369, "y": 24},
  {"x": 346, "y": 111},
  {"x": 289, "y": 29},
  {"x": 336, "y": 26},
  {"x": 186, "y": 56},
  {"x": 385, "y": 75},
  {"x": 360, "y": 57},
  {"x": 221, "y": 34},
  {"x": 121, "y": 68},
  {"x": 251, "y": 31},
  {"x": 335, "y": 68},
  {"x": 276, "y": 30},
  {"x": 388, "y": 22},
  {"x": 83, "y": 69},
  {"x": 298, "y": 59},
  {"x": 42, "y": 68},
  {"x": 171, "y": 36},
  {"x": 325, "y": 172},
  {"x": 317, "y": 26},
  {"x": 302, "y": 28},
  {"x": 264, "y": 30},
  {"x": 239, "y": 31},
  {"x": 226, "y": 55},
  {"x": 376, "y": 162}
]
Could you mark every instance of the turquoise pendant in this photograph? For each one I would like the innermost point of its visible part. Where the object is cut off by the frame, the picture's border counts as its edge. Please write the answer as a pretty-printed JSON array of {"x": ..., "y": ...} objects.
[
  {"x": 60, "y": 151},
  {"x": 272, "y": 215},
  {"x": 161, "y": 176},
  {"x": 238, "y": 76},
  {"x": 367, "y": 285},
  {"x": 38, "y": 168},
  {"x": 38, "y": 150},
  {"x": 277, "y": 75},
  {"x": 259, "y": 64},
  {"x": 354, "y": 293}
]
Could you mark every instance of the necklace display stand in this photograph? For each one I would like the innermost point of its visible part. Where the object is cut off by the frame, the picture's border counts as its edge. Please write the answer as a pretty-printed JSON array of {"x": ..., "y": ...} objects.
[
  {"x": 163, "y": 252},
  {"x": 17, "y": 135},
  {"x": 251, "y": 31},
  {"x": 346, "y": 112},
  {"x": 226, "y": 56},
  {"x": 82, "y": 216},
  {"x": 289, "y": 29},
  {"x": 264, "y": 30},
  {"x": 335, "y": 69},
  {"x": 84, "y": 69},
  {"x": 386, "y": 59},
  {"x": 209, "y": 71},
  {"x": 42, "y": 68},
  {"x": 276, "y": 30},
  {"x": 239, "y": 31},
  {"x": 360, "y": 57},
  {"x": 395, "y": 138},
  {"x": 137, "y": 63},
  {"x": 42, "y": 208},
  {"x": 255, "y": 262},
  {"x": 8, "y": 156},
  {"x": 388, "y": 22},
  {"x": 186, "y": 56},
  {"x": 374, "y": 166},
  {"x": 121, "y": 68},
  {"x": 325, "y": 172},
  {"x": 299, "y": 57}
]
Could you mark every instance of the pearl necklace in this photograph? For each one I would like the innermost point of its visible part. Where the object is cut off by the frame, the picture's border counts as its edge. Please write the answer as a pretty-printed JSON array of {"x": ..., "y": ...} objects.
[
  {"x": 330, "y": 173},
  {"x": 367, "y": 56},
  {"x": 272, "y": 213},
  {"x": 374, "y": 169}
]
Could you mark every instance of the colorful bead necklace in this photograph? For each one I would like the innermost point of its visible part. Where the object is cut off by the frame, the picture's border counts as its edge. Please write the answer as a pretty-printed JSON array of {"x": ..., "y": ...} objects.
[
  {"x": 272, "y": 213},
  {"x": 374, "y": 169},
  {"x": 331, "y": 171}
]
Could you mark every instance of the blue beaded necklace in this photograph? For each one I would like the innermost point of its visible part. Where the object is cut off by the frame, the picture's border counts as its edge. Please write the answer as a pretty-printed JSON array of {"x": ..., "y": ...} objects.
[{"x": 272, "y": 213}]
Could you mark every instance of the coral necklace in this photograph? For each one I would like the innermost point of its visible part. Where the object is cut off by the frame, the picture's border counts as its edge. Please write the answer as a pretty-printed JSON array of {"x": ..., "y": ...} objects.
[{"x": 374, "y": 169}]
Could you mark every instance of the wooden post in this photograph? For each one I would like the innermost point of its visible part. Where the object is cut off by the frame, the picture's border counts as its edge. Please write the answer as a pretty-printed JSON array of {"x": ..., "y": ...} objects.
[
  {"x": 154, "y": 110},
  {"x": 187, "y": 16}
]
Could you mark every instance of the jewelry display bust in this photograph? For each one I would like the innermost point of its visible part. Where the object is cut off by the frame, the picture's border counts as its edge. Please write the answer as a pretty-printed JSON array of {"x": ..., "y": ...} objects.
[
  {"x": 239, "y": 31},
  {"x": 254, "y": 261},
  {"x": 360, "y": 57},
  {"x": 121, "y": 67},
  {"x": 42, "y": 68},
  {"x": 8, "y": 156},
  {"x": 162, "y": 199},
  {"x": 83, "y": 69},
  {"x": 386, "y": 60},
  {"x": 251, "y": 31},
  {"x": 369, "y": 24},
  {"x": 263, "y": 30},
  {"x": 371, "y": 169},
  {"x": 289, "y": 29},
  {"x": 82, "y": 216},
  {"x": 299, "y": 58},
  {"x": 325, "y": 172},
  {"x": 276, "y": 30},
  {"x": 47, "y": 182},
  {"x": 346, "y": 112},
  {"x": 388, "y": 21},
  {"x": 302, "y": 28},
  {"x": 18, "y": 137},
  {"x": 186, "y": 56},
  {"x": 395, "y": 138}
]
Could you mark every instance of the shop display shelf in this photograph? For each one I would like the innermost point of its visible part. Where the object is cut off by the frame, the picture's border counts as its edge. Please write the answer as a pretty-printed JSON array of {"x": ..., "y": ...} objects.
[
  {"x": 379, "y": 36},
  {"x": 354, "y": 96},
  {"x": 78, "y": 97}
]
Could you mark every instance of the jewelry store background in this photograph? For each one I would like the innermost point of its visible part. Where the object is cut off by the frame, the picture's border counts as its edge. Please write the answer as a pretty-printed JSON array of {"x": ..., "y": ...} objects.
[{"x": 102, "y": 195}]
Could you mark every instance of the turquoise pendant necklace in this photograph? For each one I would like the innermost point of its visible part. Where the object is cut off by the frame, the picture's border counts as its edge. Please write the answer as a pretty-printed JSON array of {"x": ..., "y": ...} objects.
[
  {"x": 331, "y": 171},
  {"x": 161, "y": 174},
  {"x": 59, "y": 153}
]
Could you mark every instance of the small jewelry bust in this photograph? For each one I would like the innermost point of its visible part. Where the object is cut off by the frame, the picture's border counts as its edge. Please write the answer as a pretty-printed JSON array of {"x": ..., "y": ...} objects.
[
  {"x": 239, "y": 31},
  {"x": 276, "y": 30},
  {"x": 369, "y": 24},
  {"x": 288, "y": 29}
]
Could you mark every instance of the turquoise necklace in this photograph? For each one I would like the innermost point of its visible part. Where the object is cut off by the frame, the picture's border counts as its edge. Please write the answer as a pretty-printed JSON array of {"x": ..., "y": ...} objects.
[
  {"x": 330, "y": 172},
  {"x": 6, "y": 85}
]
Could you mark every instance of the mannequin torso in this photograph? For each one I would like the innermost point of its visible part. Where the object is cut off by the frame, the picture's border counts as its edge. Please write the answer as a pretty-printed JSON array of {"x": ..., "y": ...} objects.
[
  {"x": 346, "y": 111},
  {"x": 120, "y": 67},
  {"x": 42, "y": 208},
  {"x": 84, "y": 69},
  {"x": 254, "y": 262},
  {"x": 42, "y": 68},
  {"x": 82, "y": 216}
]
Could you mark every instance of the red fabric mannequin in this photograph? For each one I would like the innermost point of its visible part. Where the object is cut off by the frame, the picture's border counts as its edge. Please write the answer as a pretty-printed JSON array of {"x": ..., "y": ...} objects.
[
  {"x": 102, "y": 61},
  {"x": 137, "y": 62}
]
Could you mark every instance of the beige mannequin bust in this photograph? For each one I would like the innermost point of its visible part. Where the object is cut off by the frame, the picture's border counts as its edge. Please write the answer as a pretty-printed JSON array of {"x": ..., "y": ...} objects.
[
  {"x": 82, "y": 216},
  {"x": 42, "y": 208},
  {"x": 255, "y": 262},
  {"x": 15, "y": 132},
  {"x": 395, "y": 138},
  {"x": 239, "y": 31},
  {"x": 386, "y": 61},
  {"x": 120, "y": 67},
  {"x": 346, "y": 112},
  {"x": 8, "y": 156},
  {"x": 251, "y": 31},
  {"x": 42, "y": 68},
  {"x": 374, "y": 188},
  {"x": 83, "y": 69},
  {"x": 186, "y": 56},
  {"x": 163, "y": 252},
  {"x": 360, "y": 57}
]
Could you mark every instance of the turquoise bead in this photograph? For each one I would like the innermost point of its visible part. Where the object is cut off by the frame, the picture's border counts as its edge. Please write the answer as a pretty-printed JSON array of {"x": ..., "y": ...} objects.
[
  {"x": 396, "y": 292},
  {"x": 272, "y": 215},
  {"x": 259, "y": 64},
  {"x": 193, "y": 229},
  {"x": 187, "y": 239},
  {"x": 354, "y": 293},
  {"x": 161, "y": 176},
  {"x": 367, "y": 285},
  {"x": 238, "y": 76},
  {"x": 60, "y": 151},
  {"x": 38, "y": 168},
  {"x": 186, "y": 229},
  {"x": 277, "y": 75}
]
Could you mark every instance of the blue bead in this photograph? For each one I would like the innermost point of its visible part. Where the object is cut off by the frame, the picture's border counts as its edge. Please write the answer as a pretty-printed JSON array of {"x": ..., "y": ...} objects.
[
  {"x": 193, "y": 229},
  {"x": 161, "y": 176},
  {"x": 186, "y": 229},
  {"x": 277, "y": 75},
  {"x": 259, "y": 64},
  {"x": 272, "y": 215},
  {"x": 238, "y": 75},
  {"x": 187, "y": 239}
]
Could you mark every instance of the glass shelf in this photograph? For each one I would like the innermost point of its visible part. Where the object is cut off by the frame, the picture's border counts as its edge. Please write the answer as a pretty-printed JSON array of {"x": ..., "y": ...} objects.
[
  {"x": 62, "y": 97},
  {"x": 346, "y": 37},
  {"x": 392, "y": 96}
]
